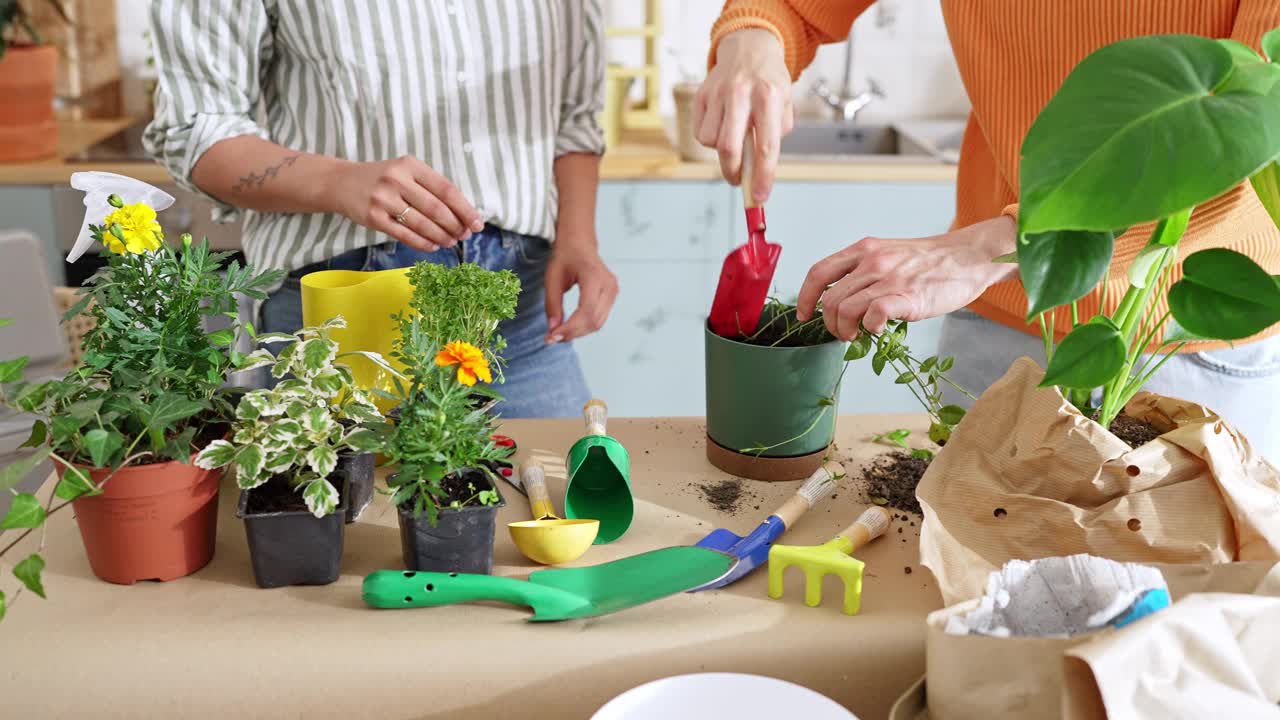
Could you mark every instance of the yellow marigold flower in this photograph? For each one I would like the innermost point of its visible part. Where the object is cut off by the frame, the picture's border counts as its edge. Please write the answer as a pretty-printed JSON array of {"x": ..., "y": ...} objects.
[
  {"x": 470, "y": 360},
  {"x": 138, "y": 226}
]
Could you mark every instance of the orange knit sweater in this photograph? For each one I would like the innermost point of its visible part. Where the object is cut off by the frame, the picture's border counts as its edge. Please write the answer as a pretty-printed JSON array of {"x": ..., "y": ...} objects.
[{"x": 1012, "y": 56}]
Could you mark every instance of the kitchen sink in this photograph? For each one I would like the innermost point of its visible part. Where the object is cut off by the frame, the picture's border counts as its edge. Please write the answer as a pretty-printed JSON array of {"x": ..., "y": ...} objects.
[
  {"x": 812, "y": 140},
  {"x": 909, "y": 141}
]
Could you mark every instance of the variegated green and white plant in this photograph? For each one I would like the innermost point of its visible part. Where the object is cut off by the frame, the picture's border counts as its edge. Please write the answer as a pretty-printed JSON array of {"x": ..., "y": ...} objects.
[{"x": 295, "y": 430}]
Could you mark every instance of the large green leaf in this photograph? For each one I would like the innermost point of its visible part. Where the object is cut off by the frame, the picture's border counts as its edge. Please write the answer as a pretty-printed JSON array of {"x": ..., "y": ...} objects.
[
  {"x": 1087, "y": 357},
  {"x": 14, "y": 472},
  {"x": 1224, "y": 295},
  {"x": 1061, "y": 266},
  {"x": 1138, "y": 131},
  {"x": 28, "y": 571},
  {"x": 322, "y": 459},
  {"x": 25, "y": 512}
]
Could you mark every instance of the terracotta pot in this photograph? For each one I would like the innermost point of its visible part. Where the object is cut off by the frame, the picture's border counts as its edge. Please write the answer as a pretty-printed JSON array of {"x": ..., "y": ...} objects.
[
  {"x": 28, "y": 130},
  {"x": 152, "y": 522}
]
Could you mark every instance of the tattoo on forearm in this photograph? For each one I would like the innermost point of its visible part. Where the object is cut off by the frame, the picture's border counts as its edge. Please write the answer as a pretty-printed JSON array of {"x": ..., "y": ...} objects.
[{"x": 257, "y": 180}]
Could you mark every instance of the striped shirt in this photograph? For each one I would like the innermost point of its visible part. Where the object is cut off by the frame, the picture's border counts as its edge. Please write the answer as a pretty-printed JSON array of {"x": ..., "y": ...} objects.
[{"x": 486, "y": 92}]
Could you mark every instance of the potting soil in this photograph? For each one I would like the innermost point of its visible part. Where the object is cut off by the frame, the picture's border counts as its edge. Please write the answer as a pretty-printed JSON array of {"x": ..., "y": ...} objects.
[
  {"x": 1133, "y": 431},
  {"x": 891, "y": 480}
]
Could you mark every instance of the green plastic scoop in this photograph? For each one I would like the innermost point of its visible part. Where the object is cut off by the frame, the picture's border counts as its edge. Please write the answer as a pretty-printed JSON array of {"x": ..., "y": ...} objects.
[
  {"x": 559, "y": 593},
  {"x": 599, "y": 478}
]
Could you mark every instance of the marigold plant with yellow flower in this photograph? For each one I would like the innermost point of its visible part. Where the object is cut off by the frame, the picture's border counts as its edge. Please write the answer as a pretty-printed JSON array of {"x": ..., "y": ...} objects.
[
  {"x": 471, "y": 362},
  {"x": 132, "y": 229}
]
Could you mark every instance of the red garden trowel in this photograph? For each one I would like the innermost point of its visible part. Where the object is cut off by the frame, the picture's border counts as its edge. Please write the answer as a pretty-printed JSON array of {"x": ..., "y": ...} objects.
[{"x": 748, "y": 271}]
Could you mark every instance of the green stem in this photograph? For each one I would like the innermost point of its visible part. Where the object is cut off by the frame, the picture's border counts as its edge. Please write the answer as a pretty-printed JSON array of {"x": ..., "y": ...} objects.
[
  {"x": 1047, "y": 337},
  {"x": 1075, "y": 314}
]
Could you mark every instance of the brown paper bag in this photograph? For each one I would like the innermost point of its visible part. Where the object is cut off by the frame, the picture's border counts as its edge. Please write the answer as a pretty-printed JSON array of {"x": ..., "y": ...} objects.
[
  {"x": 1026, "y": 476},
  {"x": 973, "y": 677},
  {"x": 1209, "y": 655}
]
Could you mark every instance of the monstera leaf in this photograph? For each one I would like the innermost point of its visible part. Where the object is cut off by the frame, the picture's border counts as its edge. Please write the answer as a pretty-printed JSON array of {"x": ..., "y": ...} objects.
[{"x": 1144, "y": 128}]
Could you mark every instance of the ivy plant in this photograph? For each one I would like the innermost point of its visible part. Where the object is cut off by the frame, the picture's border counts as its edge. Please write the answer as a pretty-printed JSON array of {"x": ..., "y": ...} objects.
[
  {"x": 888, "y": 351},
  {"x": 1143, "y": 131},
  {"x": 294, "y": 431}
]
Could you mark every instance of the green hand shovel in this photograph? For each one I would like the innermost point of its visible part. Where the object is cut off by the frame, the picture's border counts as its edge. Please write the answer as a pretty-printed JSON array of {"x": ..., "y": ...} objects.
[{"x": 599, "y": 478}]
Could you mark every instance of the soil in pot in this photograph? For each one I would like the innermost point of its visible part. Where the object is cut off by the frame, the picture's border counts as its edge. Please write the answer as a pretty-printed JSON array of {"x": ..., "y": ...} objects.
[
  {"x": 891, "y": 480},
  {"x": 462, "y": 538},
  {"x": 287, "y": 544},
  {"x": 1133, "y": 431},
  {"x": 780, "y": 332}
]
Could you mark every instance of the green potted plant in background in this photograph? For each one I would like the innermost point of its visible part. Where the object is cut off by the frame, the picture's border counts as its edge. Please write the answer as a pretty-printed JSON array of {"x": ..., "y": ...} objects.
[
  {"x": 147, "y": 398},
  {"x": 443, "y": 446},
  {"x": 286, "y": 447},
  {"x": 28, "y": 75},
  {"x": 1139, "y": 134}
]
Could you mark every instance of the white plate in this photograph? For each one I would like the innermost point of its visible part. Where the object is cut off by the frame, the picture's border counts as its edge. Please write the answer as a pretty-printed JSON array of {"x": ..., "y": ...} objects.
[{"x": 721, "y": 695}]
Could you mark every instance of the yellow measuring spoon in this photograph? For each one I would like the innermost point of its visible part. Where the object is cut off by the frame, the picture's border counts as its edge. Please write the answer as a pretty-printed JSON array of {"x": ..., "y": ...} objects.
[{"x": 548, "y": 539}]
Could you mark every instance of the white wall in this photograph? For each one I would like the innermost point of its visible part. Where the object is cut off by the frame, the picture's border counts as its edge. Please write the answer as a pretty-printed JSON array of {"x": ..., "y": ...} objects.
[{"x": 902, "y": 44}]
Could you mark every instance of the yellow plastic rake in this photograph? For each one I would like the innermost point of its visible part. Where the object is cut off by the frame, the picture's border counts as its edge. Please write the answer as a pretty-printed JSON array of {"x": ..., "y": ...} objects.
[{"x": 834, "y": 557}]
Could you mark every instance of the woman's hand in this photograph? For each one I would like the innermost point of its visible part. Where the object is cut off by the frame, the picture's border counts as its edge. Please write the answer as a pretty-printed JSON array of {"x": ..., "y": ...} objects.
[
  {"x": 748, "y": 87},
  {"x": 576, "y": 261},
  {"x": 877, "y": 280},
  {"x": 373, "y": 194}
]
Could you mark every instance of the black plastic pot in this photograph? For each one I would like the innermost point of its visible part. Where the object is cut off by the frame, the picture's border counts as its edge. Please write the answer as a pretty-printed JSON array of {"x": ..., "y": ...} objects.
[
  {"x": 295, "y": 547},
  {"x": 460, "y": 541},
  {"x": 358, "y": 469}
]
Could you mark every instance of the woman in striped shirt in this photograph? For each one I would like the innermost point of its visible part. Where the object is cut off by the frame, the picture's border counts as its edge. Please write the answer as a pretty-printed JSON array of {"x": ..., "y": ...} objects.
[
  {"x": 1012, "y": 57},
  {"x": 366, "y": 136}
]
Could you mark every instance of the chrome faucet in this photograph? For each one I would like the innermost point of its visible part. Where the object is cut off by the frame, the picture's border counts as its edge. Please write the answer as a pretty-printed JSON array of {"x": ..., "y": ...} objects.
[{"x": 846, "y": 103}]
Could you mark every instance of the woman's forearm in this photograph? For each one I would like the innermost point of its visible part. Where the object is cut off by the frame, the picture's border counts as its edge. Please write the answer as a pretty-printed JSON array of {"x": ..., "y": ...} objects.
[
  {"x": 254, "y": 173},
  {"x": 577, "y": 179}
]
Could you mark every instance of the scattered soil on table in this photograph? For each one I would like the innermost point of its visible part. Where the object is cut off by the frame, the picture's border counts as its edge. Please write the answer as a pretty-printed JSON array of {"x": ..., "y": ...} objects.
[
  {"x": 907, "y": 570},
  {"x": 1133, "y": 431},
  {"x": 728, "y": 495},
  {"x": 893, "y": 477},
  {"x": 276, "y": 495},
  {"x": 723, "y": 495}
]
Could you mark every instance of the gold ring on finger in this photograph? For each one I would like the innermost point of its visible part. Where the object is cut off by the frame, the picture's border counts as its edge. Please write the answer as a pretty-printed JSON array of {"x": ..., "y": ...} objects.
[{"x": 403, "y": 214}]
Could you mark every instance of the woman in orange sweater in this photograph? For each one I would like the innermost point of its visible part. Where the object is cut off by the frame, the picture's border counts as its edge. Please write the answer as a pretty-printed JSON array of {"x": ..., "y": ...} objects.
[{"x": 1012, "y": 55}]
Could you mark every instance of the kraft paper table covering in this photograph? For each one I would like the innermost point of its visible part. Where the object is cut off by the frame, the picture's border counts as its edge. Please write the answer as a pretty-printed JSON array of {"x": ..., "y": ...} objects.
[{"x": 214, "y": 645}]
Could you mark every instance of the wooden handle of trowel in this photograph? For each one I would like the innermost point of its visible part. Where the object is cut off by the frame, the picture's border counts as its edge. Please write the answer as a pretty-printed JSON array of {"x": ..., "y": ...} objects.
[
  {"x": 871, "y": 524},
  {"x": 596, "y": 414},
  {"x": 534, "y": 478},
  {"x": 748, "y": 171},
  {"x": 808, "y": 495}
]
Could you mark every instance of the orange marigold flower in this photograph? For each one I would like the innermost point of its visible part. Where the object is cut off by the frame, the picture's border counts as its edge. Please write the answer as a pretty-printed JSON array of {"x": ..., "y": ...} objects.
[{"x": 470, "y": 360}]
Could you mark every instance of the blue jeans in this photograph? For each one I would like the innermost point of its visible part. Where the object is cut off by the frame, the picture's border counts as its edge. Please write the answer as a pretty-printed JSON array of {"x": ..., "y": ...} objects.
[
  {"x": 1240, "y": 384},
  {"x": 541, "y": 380}
]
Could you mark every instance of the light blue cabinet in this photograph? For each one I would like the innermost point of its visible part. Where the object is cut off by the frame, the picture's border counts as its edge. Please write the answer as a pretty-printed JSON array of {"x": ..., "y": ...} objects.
[{"x": 666, "y": 241}]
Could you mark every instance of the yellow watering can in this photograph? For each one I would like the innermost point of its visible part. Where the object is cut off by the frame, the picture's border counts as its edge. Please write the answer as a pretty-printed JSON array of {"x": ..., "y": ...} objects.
[{"x": 367, "y": 300}]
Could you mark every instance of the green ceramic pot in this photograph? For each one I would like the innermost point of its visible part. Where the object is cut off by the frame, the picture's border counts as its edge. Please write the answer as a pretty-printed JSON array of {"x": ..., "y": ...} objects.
[{"x": 762, "y": 396}]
